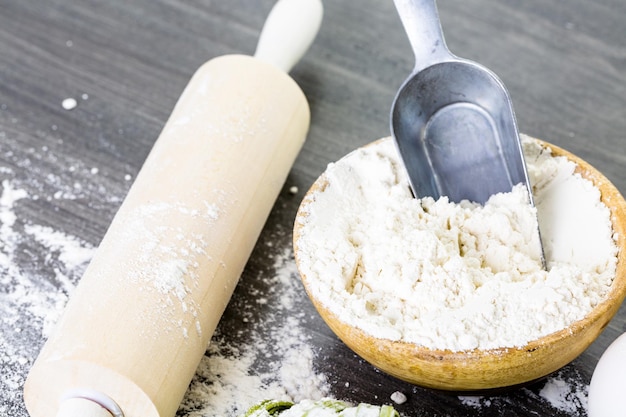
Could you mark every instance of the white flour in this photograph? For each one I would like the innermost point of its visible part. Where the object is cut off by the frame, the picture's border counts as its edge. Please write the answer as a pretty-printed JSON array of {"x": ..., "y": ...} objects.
[
  {"x": 565, "y": 391},
  {"x": 275, "y": 362},
  {"x": 566, "y": 395},
  {"x": 455, "y": 276},
  {"x": 69, "y": 103},
  {"x": 32, "y": 294},
  {"x": 162, "y": 265}
]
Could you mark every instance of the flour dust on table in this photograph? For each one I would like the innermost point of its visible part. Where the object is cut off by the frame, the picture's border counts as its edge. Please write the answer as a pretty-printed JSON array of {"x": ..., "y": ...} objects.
[
  {"x": 34, "y": 291},
  {"x": 276, "y": 361},
  {"x": 566, "y": 391}
]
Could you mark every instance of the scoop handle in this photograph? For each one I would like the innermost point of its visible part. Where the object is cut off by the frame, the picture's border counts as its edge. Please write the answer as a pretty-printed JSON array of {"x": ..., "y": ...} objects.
[
  {"x": 289, "y": 31},
  {"x": 423, "y": 28}
]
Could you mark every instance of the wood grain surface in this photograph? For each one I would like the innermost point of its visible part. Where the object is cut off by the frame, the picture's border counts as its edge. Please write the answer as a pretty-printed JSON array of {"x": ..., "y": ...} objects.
[{"x": 126, "y": 63}]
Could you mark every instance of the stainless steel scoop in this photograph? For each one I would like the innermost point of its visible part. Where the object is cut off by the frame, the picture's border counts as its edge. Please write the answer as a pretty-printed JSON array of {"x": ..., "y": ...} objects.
[{"x": 452, "y": 119}]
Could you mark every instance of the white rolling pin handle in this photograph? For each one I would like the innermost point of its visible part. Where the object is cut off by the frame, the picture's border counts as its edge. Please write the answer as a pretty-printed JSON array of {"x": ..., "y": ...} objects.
[
  {"x": 82, "y": 407},
  {"x": 88, "y": 403},
  {"x": 289, "y": 31}
]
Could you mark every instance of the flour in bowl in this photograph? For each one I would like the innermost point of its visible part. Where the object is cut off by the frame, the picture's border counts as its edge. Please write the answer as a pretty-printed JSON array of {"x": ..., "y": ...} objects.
[{"x": 454, "y": 276}]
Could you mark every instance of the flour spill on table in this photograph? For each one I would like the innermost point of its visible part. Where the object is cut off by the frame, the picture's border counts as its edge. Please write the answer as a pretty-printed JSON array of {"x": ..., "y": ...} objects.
[
  {"x": 69, "y": 103},
  {"x": 65, "y": 259},
  {"x": 566, "y": 391},
  {"x": 276, "y": 361},
  {"x": 32, "y": 293},
  {"x": 566, "y": 394},
  {"x": 40, "y": 263}
]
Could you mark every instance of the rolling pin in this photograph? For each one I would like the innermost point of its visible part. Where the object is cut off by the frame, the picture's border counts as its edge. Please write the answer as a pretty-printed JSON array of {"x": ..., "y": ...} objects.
[{"x": 138, "y": 323}]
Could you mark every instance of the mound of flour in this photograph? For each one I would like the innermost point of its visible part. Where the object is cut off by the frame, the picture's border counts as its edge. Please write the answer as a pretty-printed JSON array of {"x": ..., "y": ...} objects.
[{"x": 455, "y": 276}]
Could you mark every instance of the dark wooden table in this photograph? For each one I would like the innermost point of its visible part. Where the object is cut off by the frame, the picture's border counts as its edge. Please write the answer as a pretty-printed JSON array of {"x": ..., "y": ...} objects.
[{"x": 126, "y": 63}]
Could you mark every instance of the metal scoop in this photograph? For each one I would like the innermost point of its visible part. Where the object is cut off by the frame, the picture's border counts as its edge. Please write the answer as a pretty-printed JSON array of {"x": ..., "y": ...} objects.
[{"x": 453, "y": 120}]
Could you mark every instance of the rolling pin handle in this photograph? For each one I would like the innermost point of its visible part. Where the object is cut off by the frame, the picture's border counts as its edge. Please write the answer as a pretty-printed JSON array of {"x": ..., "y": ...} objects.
[
  {"x": 289, "y": 31},
  {"x": 82, "y": 407},
  {"x": 88, "y": 403}
]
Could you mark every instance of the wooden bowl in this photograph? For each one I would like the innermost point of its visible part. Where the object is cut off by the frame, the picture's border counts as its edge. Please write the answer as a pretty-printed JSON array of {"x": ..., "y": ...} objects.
[{"x": 480, "y": 370}]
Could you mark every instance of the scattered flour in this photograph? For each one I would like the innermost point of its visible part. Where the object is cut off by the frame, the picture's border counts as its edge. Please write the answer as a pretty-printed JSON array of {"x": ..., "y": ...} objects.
[
  {"x": 163, "y": 255},
  {"x": 455, "y": 276},
  {"x": 69, "y": 103},
  {"x": 398, "y": 397},
  {"x": 31, "y": 298},
  {"x": 275, "y": 361},
  {"x": 474, "y": 401},
  {"x": 565, "y": 391},
  {"x": 565, "y": 395}
]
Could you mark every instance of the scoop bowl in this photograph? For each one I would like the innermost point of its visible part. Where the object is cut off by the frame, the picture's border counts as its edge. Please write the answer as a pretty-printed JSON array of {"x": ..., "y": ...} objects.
[{"x": 452, "y": 119}]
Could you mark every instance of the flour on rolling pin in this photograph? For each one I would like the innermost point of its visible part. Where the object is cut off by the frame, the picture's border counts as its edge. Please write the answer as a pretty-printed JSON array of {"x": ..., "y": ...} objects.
[{"x": 138, "y": 323}]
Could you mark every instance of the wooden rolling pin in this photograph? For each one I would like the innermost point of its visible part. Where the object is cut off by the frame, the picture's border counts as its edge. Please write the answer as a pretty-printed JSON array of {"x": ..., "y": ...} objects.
[{"x": 139, "y": 321}]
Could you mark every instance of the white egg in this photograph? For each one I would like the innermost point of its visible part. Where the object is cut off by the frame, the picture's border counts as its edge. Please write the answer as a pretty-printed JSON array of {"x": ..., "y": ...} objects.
[{"x": 607, "y": 391}]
